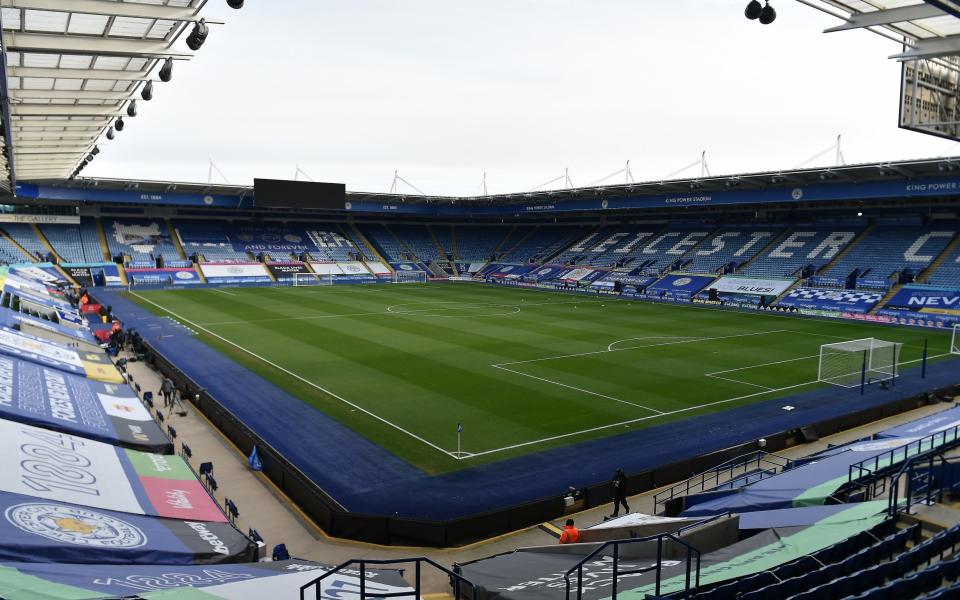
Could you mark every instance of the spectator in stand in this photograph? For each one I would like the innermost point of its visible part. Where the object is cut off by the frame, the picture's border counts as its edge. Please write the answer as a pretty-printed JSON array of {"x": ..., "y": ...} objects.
[
  {"x": 570, "y": 535},
  {"x": 619, "y": 485}
]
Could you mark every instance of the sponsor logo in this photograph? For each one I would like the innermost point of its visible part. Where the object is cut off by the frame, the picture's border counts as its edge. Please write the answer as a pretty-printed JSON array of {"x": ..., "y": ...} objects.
[
  {"x": 348, "y": 205},
  {"x": 208, "y": 536},
  {"x": 184, "y": 275},
  {"x": 604, "y": 205},
  {"x": 797, "y": 193},
  {"x": 75, "y": 525},
  {"x": 406, "y": 268},
  {"x": 933, "y": 300},
  {"x": 179, "y": 499},
  {"x": 543, "y": 271},
  {"x": 682, "y": 281},
  {"x": 293, "y": 239},
  {"x": 234, "y": 270},
  {"x": 506, "y": 269},
  {"x": 208, "y": 200}
]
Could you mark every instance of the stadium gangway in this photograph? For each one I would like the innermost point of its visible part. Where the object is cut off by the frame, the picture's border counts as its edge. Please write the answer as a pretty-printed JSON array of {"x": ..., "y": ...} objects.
[
  {"x": 758, "y": 464},
  {"x": 617, "y": 573},
  {"x": 925, "y": 479},
  {"x": 457, "y": 581},
  {"x": 876, "y": 466}
]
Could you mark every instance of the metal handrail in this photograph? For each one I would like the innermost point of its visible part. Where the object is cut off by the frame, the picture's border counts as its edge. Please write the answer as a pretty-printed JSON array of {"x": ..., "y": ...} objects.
[
  {"x": 616, "y": 562},
  {"x": 686, "y": 487},
  {"x": 456, "y": 580},
  {"x": 894, "y": 506},
  {"x": 916, "y": 448}
]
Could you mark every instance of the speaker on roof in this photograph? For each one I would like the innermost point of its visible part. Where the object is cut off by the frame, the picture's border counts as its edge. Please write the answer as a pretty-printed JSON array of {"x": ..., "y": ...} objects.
[
  {"x": 753, "y": 10},
  {"x": 235, "y": 3},
  {"x": 198, "y": 36},
  {"x": 147, "y": 92},
  {"x": 768, "y": 15},
  {"x": 111, "y": 134},
  {"x": 119, "y": 124},
  {"x": 132, "y": 108},
  {"x": 166, "y": 71}
]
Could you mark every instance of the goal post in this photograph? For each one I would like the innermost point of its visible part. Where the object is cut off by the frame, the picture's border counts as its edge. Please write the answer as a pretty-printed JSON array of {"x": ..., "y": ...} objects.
[
  {"x": 847, "y": 364},
  {"x": 409, "y": 277},
  {"x": 312, "y": 279},
  {"x": 955, "y": 340}
]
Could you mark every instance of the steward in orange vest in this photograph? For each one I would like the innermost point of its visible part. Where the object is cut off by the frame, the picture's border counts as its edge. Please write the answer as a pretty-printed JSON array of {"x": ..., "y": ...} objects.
[{"x": 570, "y": 535}]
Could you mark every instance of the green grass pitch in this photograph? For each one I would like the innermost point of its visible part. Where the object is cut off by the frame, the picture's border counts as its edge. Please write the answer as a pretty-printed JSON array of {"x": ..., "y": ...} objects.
[{"x": 523, "y": 370}]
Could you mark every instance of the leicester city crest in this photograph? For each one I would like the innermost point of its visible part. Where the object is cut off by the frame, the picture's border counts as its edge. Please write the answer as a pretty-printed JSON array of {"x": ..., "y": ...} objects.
[{"x": 74, "y": 525}]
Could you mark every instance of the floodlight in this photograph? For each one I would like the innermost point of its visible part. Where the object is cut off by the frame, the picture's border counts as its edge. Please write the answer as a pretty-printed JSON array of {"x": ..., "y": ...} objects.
[
  {"x": 132, "y": 108},
  {"x": 166, "y": 71},
  {"x": 119, "y": 124},
  {"x": 767, "y": 15},
  {"x": 111, "y": 134},
  {"x": 753, "y": 10},
  {"x": 95, "y": 151},
  {"x": 235, "y": 3},
  {"x": 147, "y": 92},
  {"x": 198, "y": 36}
]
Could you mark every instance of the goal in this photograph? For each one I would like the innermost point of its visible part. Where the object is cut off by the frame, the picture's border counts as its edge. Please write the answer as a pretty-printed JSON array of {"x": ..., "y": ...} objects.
[
  {"x": 409, "y": 277},
  {"x": 305, "y": 279},
  {"x": 955, "y": 340},
  {"x": 846, "y": 364}
]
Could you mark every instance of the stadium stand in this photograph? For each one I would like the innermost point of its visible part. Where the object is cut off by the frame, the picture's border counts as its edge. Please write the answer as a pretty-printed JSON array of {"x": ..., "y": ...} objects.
[
  {"x": 948, "y": 273},
  {"x": 67, "y": 241},
  {"x": 728, "y": 248},
  {"x": 538, "y": 244},
  {"x": 890, "y": 249},
  {"x": 477, "y": 243},
  {"x": 803, "y": 249},
  {"x": 24, "y": 235},
  {"x": 140, "y": 239}
]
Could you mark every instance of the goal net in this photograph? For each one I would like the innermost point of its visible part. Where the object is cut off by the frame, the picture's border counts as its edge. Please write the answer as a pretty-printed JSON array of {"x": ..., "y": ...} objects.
[
  {"x": 847, "y": 363},
  {"x": 409, "y": 277},
  {"x": 304, "y": 279},
  {"x": 955, "y": 340}
]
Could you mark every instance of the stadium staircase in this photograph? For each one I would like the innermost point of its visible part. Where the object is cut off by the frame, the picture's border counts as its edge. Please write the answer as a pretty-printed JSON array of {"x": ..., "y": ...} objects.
[
  {"x": 849, "y": 247},
  {"x": 46, "y": 243},
  {"x": 575, "y": 240},
  {"x": 763, "y": 251},
  {"x": 689, "y": 255},
  {"x": 886, "y": 298},
  {"x": 26, "y": 256},
  {"x": 443, "y": 256},
  {"x": 176, "y": 239},
  {"x": 924, "y": 275},
  {"x": 104, "y": 246},
  {"x": 520, "y": 242},
  {"x": 506, "y": 236},
  {"x": 358, "y": 235}
]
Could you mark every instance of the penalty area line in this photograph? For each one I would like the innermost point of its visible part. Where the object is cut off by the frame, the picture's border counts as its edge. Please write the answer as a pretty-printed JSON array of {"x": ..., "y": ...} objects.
[{"x": 299, "y": 378}]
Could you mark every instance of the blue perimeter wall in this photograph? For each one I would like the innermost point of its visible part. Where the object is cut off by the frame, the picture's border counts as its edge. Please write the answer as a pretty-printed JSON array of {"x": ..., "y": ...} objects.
[{"x": 365, "y": 478}]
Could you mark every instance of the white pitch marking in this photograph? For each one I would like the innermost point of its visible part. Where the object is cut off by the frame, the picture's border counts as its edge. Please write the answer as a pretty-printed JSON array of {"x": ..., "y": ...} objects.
[
  {"x": 777, "y": 362},
  {"x": 224, "y": 292},
  {"x": 298, "y": 377},
  {"x": 544, "y": 379},
  {"x": 610, "y": 347},
  {"x": 685, "y": 341},
  {"x": 741, "y": 382}
]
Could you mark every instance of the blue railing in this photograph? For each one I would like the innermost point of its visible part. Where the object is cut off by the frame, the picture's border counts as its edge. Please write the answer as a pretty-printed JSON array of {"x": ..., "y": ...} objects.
[
  {"x": 457, "y": 581},
  {"x": 616, "y": 573},
  {"x": 925, "y": 479},
  {"x": 757, "y": 464},
  {"x": 876, "y": 465}
]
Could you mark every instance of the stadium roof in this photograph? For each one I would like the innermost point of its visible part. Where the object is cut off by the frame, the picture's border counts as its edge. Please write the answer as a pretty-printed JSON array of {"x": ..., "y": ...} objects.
[
  {"x": 71, "y": 68},
  {"x": 928, "y": 29},
  {"x": 869, "y": 172}
]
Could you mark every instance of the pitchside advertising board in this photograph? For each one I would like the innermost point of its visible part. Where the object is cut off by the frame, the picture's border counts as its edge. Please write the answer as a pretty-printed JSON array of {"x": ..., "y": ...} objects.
[
  {"x": 51, "y": 465},
  {"x": 752, "y": 286},
  {"x": 235, "y": 273},
  {"x": 48, "y": 398},
  {"x": 286, "y": 271},
  {"x": 94, "y": 365},
  {"x": 172, "y": 276},
  {"x": 35, "y": 530},
  {"x": 682, "y": 286},
  {"x": 932, "y": 301},
  {"x": 255, "y": 581}
]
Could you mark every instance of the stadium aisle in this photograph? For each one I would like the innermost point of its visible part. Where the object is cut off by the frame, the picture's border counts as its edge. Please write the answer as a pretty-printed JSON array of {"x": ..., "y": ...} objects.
[{"x": 278, "y": 521}]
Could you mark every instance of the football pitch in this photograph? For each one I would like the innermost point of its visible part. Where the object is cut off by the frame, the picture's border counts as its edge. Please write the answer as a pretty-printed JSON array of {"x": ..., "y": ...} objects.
[{"x": 522, "y": 370}]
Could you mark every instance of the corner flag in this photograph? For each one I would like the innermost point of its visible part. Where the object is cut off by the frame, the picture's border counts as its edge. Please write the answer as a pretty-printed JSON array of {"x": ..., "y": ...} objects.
[
  {"x": 459, "y": 427},
  {"x": 254, "y": 460}
]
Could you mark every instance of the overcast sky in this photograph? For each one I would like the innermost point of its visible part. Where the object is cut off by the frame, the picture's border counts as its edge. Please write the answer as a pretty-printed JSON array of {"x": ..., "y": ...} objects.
[{"x": 443, "y": 90}]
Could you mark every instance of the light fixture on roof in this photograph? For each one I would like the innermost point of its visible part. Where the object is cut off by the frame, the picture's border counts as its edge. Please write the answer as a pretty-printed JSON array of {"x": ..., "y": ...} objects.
[
  {"x": 95, "y": 151},
  {"x": 767, "y": 15},
  {"x": 111, "y": 134},
  {"x": 166, "y": 71},
  {"x": 147, "y": 92},
  {"x": 753, "y": 10},
  {"x": 119, "y": 124},
  {"x": 198, "y": 36},
  {"x": 235, "y": 3},
  {"x": 132, "y": 108}
]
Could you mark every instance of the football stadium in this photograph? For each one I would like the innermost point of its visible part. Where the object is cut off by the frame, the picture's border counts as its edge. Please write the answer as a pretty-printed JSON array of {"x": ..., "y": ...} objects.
[{"x": 704, "y": 386}]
